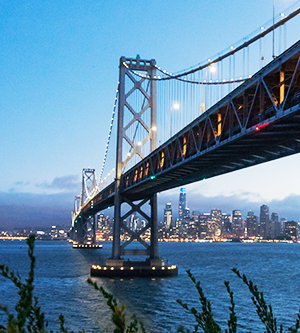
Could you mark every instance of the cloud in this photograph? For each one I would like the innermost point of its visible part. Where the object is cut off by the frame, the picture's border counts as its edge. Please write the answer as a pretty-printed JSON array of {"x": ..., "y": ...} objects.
[
  {"x": 64, "y": 183},
  {"x": 34, "y": 210},
  {"x": 22, "y": 183},
  {"x": 43, "y": 210}
]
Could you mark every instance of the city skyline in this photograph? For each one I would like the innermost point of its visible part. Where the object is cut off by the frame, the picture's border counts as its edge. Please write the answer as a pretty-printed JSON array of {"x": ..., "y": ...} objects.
[
  {"x": 176, "y": 207},
  {"x": 60, "y": 73}
]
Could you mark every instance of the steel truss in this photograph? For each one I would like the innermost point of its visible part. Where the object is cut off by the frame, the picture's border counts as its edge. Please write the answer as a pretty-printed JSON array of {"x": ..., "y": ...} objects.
[
  {"x": 85, "y": 229},
  {"x": 257, "y": 122},
  {"x": 88, "y": 185}
]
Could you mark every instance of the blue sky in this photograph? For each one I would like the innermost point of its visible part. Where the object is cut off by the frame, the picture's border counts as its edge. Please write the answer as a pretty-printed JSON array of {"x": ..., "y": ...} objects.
[{"x": 59, "y": 72}]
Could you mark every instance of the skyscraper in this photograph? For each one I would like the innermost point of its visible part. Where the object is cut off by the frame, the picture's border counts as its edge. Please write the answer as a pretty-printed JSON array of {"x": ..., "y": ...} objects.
[
  {"x": 290, "y": 230},
  {"x": 275, "y": 226},
  {"x": 236, "y": 222},
  {"x": 168, "y": 216},
  {"x": 264, "y": 220},
  {"x": 182, "y": 209},
  {"x": 216, "y": 215},
  {"x": 226, "y": 224},
  {"x": 252, "y": 224},
  {"x": 182, "y": 203},
  {"x": 100, "y": 221},
  {"x": 216, "y": 221}
]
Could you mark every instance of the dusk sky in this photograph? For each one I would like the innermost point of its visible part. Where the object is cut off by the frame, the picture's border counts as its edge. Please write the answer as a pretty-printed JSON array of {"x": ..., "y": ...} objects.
[{"x": 59, "y": 73}]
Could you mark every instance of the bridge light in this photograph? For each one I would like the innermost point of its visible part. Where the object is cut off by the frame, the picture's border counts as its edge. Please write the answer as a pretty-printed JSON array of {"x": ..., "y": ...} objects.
[
  {"x": 212, "y": 68},
  {"x": 257, "y": 128},
  {"x": 176, "y": 106},
  {"x": 152, "y": 177}
]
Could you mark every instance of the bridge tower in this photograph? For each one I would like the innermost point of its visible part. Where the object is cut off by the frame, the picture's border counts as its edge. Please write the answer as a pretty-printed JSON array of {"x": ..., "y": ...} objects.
[
  {"x": 85, "y": 225},
  {"x": 132, "y": 85}
]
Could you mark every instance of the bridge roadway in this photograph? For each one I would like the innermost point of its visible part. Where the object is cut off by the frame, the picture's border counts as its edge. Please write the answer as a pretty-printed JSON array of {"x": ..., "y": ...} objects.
[{"x": 257, "y": 122}]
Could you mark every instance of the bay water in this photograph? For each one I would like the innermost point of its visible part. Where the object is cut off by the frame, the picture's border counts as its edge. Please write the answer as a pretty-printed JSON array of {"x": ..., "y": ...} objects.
[{"x": 61, "y": 273}]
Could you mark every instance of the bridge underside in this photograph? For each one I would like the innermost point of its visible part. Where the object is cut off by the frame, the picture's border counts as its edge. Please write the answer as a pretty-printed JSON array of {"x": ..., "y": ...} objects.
[
  {"x": 258, "y": 122},
  {"x": 278, "y": 139}
]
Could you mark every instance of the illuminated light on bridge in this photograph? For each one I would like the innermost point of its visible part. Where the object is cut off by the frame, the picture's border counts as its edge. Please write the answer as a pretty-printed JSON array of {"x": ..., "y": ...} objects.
[{"x": 257, "y": 128}]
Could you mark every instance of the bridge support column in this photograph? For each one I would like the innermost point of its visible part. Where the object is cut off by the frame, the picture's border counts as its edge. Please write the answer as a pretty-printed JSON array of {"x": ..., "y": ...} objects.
[
  {"x": 79, "y": 230},
  {"x": 116, "y": 225},
  {"x": 154, "y": 228},
  {"x": 85, "y": 229}
]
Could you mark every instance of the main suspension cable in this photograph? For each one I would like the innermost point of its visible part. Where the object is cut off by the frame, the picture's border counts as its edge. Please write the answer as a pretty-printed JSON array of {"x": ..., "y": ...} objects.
[
  {"x": 170, "y": 76},
  {"x": 108, "y": 138}
]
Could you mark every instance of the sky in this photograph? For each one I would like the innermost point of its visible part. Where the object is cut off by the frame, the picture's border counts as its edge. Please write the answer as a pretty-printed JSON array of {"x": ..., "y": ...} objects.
[{"x": 59, "y": 73}]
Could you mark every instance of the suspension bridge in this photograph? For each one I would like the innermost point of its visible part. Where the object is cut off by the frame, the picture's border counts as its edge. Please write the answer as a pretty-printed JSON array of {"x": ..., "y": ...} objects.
[{"x": 175, "y": 129}]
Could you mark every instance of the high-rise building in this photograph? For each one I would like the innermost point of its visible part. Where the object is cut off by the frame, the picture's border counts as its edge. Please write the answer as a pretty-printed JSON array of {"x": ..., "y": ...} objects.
[
  {"x": 134, "y": 222},
  {"x": 195, "y": 215},
  {"x": 182, "y": 203},
  {"x": 100, "y": 221},
  {"x": 264, "y": 220},
  {"x": 226, "y": 224},
  {"x": 290, "y": 230},
  {"x": 215, "y": 223},
  {"x": 252, "y": 224},
  {"x": 237, "y": 222},
  {"x": 202, "y": 226},
  {"x": 168, "y": 216},
  {"x": 275, "y": 226},
  {"x": 183, "y": 212},
  {"x": 282, "y": 224},
  {"x": 216, "y": 215}
]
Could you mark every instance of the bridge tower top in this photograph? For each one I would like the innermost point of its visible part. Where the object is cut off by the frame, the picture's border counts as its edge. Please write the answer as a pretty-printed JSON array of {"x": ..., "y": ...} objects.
[
  {"x": 130, "y": 86},
  {"x": 88, "y": 184}
]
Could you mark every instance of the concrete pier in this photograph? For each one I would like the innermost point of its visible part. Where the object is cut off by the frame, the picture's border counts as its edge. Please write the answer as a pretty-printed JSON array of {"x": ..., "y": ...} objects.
[
  {"x": 130, "y": 269},
  {"x": 87, "y": 246}
]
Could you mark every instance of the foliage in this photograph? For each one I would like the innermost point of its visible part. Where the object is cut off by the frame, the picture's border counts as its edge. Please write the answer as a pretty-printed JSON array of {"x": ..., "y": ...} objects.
[
  {"x": 206, "y": 322},
  {"x": 29, "y": 315},
  {"x": 30, "y": 319},
  {"x": 118, "y": 314}
]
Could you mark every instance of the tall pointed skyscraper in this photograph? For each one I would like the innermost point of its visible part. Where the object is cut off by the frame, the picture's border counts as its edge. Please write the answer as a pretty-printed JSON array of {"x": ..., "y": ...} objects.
[
  {"x": 181, "y": 206},
  {"x": 264, "y": 222}
]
